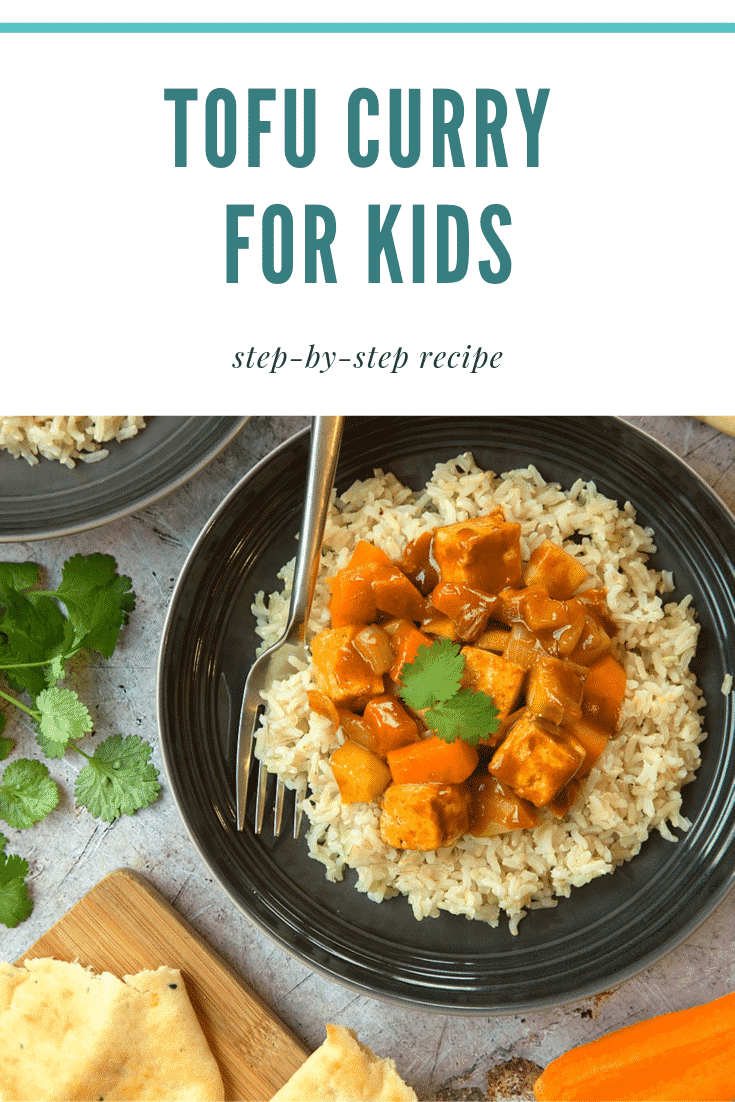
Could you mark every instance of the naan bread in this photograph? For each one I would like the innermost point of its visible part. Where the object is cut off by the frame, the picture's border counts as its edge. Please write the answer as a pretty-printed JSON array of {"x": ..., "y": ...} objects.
[
  {"x": 343, "y": 1070},
  {"x": 69, "y": 1033},
  {"x": 724, "y": 424}
]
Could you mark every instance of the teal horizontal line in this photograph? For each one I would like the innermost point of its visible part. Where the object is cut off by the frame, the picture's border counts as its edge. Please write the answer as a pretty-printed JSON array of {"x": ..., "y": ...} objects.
[{"x": 367, "y": 28}]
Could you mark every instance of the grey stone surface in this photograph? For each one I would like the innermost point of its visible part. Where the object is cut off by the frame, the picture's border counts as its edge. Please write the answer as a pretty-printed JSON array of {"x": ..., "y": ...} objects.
[{"x": 442, "y": 1056}]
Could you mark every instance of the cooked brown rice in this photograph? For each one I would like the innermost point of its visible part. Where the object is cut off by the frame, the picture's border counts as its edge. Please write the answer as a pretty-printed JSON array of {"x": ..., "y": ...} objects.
[
  {"x": 634, "y": 789},
  {"x": 65, "y": 439}
]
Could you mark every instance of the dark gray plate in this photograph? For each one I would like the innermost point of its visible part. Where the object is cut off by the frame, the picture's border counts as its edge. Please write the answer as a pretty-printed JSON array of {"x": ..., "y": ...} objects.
[
  {"x": 607, "y": 930},
  {"x": 53, "y": 500}
]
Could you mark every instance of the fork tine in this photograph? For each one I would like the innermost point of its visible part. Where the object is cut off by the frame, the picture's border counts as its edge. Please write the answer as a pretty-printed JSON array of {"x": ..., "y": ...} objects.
[
  {"x": 260, "y": 797},
  {"x": 278, "y": 807},
  {"x": 297, "y": 814}
]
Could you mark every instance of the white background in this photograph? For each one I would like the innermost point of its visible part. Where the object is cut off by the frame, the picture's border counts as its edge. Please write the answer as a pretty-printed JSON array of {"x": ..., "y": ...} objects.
[{"x": 113, "y": 260}]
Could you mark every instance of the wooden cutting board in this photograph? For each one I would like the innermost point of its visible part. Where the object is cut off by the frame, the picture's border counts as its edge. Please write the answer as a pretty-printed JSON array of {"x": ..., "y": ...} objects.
[{"x": 124, "y": 925}]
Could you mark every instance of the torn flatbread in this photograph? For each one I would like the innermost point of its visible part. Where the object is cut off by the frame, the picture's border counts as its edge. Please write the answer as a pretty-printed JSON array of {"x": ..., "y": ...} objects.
[
  {"x": 724, "y": 424},
  {"x": 343, "y": 1070},
  {"x": 67, "y": 1032}
]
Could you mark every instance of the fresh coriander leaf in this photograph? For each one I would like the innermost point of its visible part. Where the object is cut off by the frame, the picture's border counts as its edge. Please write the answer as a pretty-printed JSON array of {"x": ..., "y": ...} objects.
[
  {"x": 97, "y": 600},
  {"x": 468, "y": 715},
  {"x": 15, "y": 903},
  {"x": 27, "y": 793},
  {"x": 435, "y": 674},
  {"x": 6, "y": 744},
  {"x": 61, "y": 716},
  {"x": 432, "y": 684},
  {"x": 118, "y": 778},
  {"x": 33, "y": 627},
  {"x": 17, "y": 576}
]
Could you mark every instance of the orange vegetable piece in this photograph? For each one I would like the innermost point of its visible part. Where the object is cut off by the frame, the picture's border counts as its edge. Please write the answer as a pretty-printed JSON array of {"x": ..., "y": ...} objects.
[
  {"x": 360, "y": 774},
  {"x": 358, "y": 592},
  {"x": 436, "y": 623},
  {"x": 495, "y": 805},
  {"x": 604, "y": 691},
  {"x": 555, "y": 568},
  {"x": 354, "y": 727},
  {"x": 367, "y": 552},
  {"x": 565, "y": 798},
  {"x": 417, "y": 563},
  {"x": 395, "y": 594},
  {"x": 686, "y": 1054},
  {"x": 406, "y": 639},
  {"x": 389, "y": 724},
  {"x": 593, "y": 738},
  {"x": 433, "y": 760},
  {"x": 495, "y": 639},
  {"x": 594, "y": 640},
  {"x": 558, "y": 624},
  {"x": 352, "y": 600},
  {"x": 323, "y": 706}
]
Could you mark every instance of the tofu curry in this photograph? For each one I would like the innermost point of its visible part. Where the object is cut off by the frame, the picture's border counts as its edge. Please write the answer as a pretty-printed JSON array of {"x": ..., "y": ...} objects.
[{"x": 536, "y": 637}]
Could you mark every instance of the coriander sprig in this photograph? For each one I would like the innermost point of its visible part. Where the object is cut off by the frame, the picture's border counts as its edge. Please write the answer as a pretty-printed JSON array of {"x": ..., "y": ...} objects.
[
  {"x": 41, "y": 631},
  {"x": 432, "y": 685},
  {"x": 15, "y": 903}
]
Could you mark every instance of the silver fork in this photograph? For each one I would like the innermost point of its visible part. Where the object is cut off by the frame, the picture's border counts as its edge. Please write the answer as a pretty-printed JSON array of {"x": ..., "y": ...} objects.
[{"x": 274, "y": 664}]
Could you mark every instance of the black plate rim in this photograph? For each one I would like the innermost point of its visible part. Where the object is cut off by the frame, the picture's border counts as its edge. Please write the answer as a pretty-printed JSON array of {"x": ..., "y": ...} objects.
[{"x": 231, "y": 426}]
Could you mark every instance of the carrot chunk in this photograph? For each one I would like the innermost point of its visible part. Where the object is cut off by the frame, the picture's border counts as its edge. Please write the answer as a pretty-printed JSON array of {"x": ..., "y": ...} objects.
[
  {"x": 604, "y": 691},
  {"x": 390, "y": 724},
  {"x": 593, "y": 738},
  {"x": 686, "y": 1054},
  {"x": 433, "y": 760},
  {"x": 367, "y": 552},
  {"x": 406, "y": 640}
]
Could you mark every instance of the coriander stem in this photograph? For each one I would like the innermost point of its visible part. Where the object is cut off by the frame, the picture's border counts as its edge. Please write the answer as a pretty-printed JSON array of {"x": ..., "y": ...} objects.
[
  {"x": 29, "y": 665},
  {"x": 14, "y": 700}
]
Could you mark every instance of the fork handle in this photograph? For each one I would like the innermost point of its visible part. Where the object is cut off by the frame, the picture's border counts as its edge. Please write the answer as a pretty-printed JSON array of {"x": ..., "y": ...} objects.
[{"x": 326, "y": 436}]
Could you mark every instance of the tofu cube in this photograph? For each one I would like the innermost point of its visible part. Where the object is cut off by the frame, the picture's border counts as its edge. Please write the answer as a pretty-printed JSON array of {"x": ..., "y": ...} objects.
[
  {"x": 487, "y": 672},
  {"x": 484, "y": 553},
  {"x": 424, "y": 816},
  {"x": 341, "y": 673},
  {"x": 553, "y": 567},
  {"x": 536, "y": 760}
]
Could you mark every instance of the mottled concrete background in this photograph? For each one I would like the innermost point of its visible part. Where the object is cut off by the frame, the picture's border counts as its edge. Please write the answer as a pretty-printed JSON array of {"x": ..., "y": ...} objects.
[{"x": 441, "y": 1056}]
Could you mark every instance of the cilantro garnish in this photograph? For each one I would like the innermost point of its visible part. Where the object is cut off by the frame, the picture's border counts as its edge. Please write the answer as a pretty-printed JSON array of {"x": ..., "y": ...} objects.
[
  {"x": 41, "y": 630},
  {"x": 27, "y": 793},
  {"x": 15, "y": 903},
  {"x": 432, "y": 684},
  {"x": 118, "y": 778}
]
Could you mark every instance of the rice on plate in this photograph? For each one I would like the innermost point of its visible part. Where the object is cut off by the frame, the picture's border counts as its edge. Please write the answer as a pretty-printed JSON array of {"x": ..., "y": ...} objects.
[
  {"x": 633, "y": 790},
  {"x": 65, "y": 439}
]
